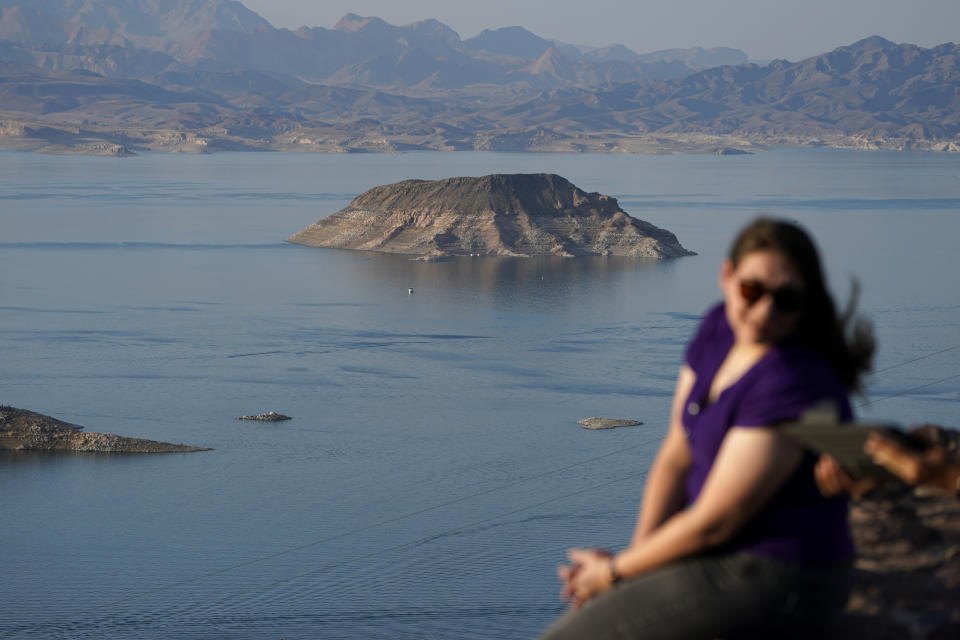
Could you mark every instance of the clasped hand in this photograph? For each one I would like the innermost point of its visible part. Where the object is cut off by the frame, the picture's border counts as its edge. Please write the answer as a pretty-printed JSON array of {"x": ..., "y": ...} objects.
[{"x": 587, "y": 575}]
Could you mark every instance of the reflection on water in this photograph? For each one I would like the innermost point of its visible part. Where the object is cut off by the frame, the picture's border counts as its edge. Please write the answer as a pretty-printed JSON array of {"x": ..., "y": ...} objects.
[{"x": 543, "y": 282}]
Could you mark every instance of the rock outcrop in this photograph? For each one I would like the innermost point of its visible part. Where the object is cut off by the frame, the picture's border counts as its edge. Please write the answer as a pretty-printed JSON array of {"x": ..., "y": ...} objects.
[
  {"x": 270, "y": 416},
  {"x": 495, "y": 215},
  {"x": 607, "y": 423},
  {"x": 28, "y": 431},
  {"x": 907, "y": 580}
]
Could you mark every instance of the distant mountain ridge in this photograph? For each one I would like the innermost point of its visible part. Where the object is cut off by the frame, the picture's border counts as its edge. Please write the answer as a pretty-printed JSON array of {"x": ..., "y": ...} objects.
[
  {"x": 90, "y": 20},
  {"x": 223, "y": 35},
  {"x": 114, "y": 76},
  {"x": 873, "y": 88}
]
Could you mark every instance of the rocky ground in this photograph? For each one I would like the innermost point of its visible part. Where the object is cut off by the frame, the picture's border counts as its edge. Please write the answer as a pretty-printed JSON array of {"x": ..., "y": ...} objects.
[
  {"x": 28, "y": 431},
  {"x": 907, "y": 568}
]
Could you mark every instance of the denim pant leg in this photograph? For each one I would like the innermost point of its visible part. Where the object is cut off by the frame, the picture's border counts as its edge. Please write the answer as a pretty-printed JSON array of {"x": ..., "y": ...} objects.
[{"x": 706, "y": 597}]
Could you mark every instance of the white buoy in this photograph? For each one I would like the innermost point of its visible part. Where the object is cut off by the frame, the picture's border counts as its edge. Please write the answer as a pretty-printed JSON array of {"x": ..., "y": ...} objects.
[{"x": 410, "y": 291}]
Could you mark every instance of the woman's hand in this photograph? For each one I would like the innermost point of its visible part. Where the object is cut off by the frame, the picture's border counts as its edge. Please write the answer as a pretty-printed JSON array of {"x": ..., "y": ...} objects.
[
  {"x": 588, "y": 574},
  {"x": 830, "y": 477}
]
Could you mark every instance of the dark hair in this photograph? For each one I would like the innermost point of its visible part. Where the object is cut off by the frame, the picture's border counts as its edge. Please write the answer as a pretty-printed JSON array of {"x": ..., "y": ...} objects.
[{"x": 844, "y": 340}]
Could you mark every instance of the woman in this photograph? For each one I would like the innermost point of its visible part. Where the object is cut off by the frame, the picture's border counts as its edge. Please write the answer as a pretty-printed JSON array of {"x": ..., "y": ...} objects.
[{"x": 733, "y": 537}]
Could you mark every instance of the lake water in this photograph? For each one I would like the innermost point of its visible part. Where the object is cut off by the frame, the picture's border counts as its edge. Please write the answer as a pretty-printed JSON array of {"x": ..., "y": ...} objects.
[{"x": 433, "y": 473}]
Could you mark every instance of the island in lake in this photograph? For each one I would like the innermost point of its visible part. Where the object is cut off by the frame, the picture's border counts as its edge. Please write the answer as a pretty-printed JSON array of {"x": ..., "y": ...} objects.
[
  {"x": 23, "y": 430},
  {"x": 517, "y": 215}
]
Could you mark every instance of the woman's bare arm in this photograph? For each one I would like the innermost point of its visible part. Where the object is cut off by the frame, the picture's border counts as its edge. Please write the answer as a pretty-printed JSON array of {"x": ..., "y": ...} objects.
[
  {"x": 752, "y": 465},
  {"x": 664, "y": 494}
]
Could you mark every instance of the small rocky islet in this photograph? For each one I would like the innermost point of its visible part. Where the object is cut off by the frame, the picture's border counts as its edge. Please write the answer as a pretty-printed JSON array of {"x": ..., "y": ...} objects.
[
  {"x": 509, "y": 215},
  {"x": 22, "y": 430},
  {"x": 269, "y": 416},
  {"x": 596, "y": 423}
]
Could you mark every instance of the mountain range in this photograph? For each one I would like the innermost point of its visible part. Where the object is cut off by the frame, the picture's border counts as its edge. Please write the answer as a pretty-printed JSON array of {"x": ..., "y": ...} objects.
[
  {"x": 114, "y": 76},
  {"x": 131, "y": 38}
]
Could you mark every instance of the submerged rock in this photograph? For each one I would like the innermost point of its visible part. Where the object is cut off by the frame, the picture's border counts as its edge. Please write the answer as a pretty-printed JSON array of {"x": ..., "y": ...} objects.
[
  {"x": 497, "y": 215},
  {"x": 23, "y": 430},
  {"x": 607, "y": 423},
  {"x": 270, "y": 416}
]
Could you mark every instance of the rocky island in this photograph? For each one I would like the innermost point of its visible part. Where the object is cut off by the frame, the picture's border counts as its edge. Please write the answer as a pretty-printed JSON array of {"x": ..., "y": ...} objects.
[
  {"x": 23, "y": 430},
  {"x": 517, "y": 215},
  {"x": 269, "y": 416},
  {"x": 596, "y": 423}
]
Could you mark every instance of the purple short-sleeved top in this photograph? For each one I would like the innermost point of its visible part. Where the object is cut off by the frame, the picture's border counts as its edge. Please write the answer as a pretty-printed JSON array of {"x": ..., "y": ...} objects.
[{"x": 798, "y": 524}]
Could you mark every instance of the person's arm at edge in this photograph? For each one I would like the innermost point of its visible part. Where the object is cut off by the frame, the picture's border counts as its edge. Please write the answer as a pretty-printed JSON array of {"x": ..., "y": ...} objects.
[
  {"x": 933, "y": 467},
  {"x": 664, "y": 493}
]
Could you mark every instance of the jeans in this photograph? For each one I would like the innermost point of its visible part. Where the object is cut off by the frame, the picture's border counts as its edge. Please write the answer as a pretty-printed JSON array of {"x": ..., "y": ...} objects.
[{"x": 730, "y": 596}]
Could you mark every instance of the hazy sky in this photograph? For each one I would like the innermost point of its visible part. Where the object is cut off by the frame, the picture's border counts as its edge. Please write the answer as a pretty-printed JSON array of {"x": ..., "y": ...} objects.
[{"x": 765, "y": 29}]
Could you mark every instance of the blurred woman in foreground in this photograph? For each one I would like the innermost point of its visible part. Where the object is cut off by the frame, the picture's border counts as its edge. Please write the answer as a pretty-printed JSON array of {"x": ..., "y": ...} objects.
[{"x": 733, "y": 538}]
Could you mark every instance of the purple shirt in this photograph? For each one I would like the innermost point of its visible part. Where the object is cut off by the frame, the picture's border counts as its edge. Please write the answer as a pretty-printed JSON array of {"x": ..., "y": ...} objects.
[{"x": 797, "y": 524}]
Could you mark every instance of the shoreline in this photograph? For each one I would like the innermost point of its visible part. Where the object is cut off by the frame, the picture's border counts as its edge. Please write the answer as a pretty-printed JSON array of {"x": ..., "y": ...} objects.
[
  {"x": 26, "y": 431},
  {"x": 59, "y": 138}
]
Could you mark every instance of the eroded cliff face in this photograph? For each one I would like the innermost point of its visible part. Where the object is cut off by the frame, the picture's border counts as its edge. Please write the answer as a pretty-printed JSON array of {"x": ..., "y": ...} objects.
[{"x": 495, "y": 215}]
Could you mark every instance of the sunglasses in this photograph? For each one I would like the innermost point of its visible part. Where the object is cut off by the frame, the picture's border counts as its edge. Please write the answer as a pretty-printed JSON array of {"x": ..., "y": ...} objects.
[{"x": 786, "y": 299}]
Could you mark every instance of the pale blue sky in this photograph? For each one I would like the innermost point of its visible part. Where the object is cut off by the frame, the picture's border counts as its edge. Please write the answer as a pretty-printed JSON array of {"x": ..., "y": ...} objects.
[{"x": 765, "y": 29}]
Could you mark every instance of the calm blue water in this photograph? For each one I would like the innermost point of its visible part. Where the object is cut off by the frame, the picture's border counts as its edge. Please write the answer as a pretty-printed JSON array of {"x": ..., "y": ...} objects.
[{"x": 434, "y": 472}]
